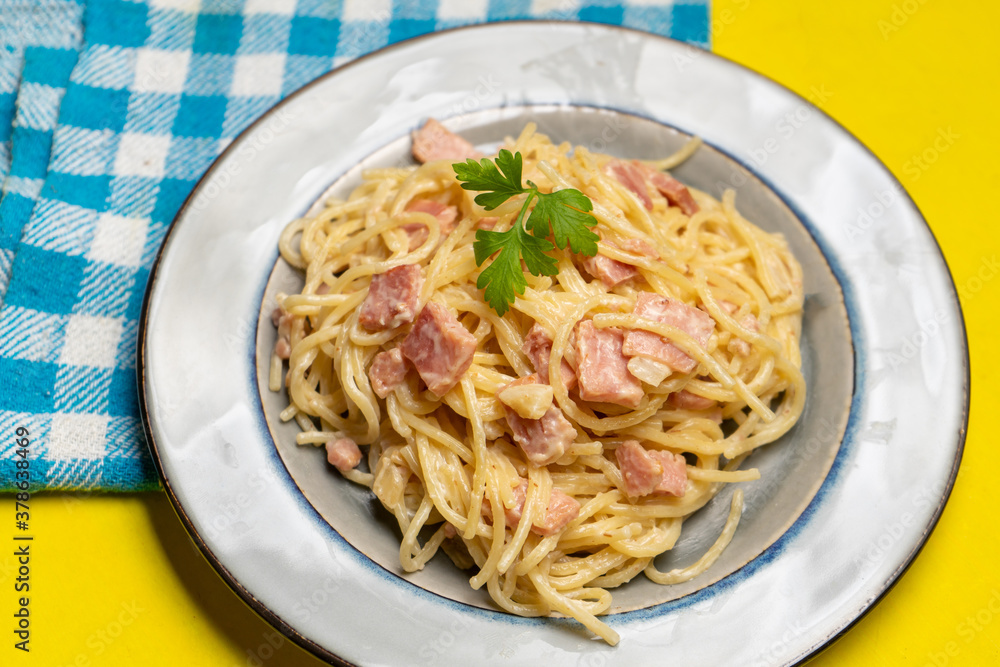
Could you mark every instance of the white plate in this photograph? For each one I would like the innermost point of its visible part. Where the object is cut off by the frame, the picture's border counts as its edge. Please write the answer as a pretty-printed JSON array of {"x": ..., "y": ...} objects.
[{"x": 848, "y": 497}]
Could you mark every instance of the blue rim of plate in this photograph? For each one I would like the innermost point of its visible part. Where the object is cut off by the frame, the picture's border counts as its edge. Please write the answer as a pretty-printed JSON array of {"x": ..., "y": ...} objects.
[{"x": 768, "y": 555}]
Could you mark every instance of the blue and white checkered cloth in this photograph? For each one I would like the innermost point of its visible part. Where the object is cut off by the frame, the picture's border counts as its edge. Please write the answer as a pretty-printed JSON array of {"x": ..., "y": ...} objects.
[{"x": 102, "y": 141}]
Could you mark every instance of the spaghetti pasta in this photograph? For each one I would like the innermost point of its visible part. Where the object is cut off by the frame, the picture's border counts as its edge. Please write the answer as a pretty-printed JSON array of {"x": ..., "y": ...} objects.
[{"x": 554, "y": 451}]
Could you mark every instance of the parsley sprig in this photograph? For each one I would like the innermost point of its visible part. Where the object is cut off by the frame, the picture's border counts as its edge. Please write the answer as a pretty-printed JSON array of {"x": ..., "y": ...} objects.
[{"x": 565, "y": 213}]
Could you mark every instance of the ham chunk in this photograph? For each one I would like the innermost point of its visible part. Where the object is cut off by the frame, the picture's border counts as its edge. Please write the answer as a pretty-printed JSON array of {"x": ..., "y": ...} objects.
[
  {"x": 343, "y": 454},
  {"x": 639, "y": 247},
  {"x": 543, "y": 440},
  {"x": 674, "y": 479},
  {"x": 538, "y": 348},
  {"x": 612, "y": 272},
  {"x": 656, "y": 308},
  {"x": 631, "y": 175},
  {"x": 487, "y": 223},
  {"x": 561, "y": 509},
  {"x": 685, "y": 400},
  {"x": 446, "y": 216},
  {"x": 739, "y": 346},
  {"x": 440, "y": 348},
  {"x": 637, "y": 177},
  {"x": 392, "y": 298},
  {"x": 602, "y": 368},
  {"x": 388, "y": 371},
  {"x": 435, "y": 142},
  {"x": 646, "y": 472},
  {"x": 282, "y": 320},
  {"x": 675, "y": 192}
]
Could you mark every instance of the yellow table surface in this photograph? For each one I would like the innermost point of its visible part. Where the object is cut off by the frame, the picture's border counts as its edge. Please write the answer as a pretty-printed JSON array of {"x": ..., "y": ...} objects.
[{"x": 116, "y": 581}]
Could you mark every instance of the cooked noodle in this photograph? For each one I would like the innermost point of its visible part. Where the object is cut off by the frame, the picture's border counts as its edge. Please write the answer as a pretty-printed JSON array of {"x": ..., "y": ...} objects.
[{"x": 440, "y": 464}]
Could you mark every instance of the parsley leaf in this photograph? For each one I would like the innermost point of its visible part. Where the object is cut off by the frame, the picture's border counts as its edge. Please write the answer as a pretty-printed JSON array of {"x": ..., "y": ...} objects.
[
  {"x": 566, "y": 213},
  {"x": 504, "y": 279},
  {"x": 485, "y": 177}
]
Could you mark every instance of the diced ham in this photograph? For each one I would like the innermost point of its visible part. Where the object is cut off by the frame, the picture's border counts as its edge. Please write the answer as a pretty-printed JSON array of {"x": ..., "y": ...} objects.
[
  {"x": 343, "y": 453},
  {"x": 282, "y": 319},
  {"x": 446, "y": 216},
  {"x": 392, "y": 298},
  {"x": 538, "y": 348},
  {"x": 434, "y": 141},
  {"x": 653, "y": 471},
  {"x": 602, "y": 368},
  {"x": 656, "y": 308},
  {"x": 561, "y": 509},
  {"x": 611, "y": 272},
  {"x": 632, "y": 177},
  {"x": 487, "y": 223},
  {"x": 738, "y": 345},
  {"x": 675, "y": 191},
  {"x": 449, "y": 531},
  {"x": 685, "y": 400},
  {"x": 640, "y": 471},
  {"x": 543, "y": 440},
  {"x": 639, "y": 247},
  {"x": 637, "y": 176},
  {"x": 388, "y": 371},
  {"x": 674, "y": 479},
  {"x": 440, "y": 348}
]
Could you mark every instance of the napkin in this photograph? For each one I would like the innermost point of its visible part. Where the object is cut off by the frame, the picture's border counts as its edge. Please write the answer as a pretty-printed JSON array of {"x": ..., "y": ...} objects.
[{"x": 156, "y": 91}]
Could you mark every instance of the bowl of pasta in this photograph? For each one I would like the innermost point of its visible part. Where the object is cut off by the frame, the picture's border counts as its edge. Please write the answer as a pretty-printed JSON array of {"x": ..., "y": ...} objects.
[{"x": 549, "y": 369}]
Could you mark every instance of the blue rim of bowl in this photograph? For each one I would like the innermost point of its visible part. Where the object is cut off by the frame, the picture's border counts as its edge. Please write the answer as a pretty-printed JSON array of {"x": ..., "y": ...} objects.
[{"x": 765, "y": 557}]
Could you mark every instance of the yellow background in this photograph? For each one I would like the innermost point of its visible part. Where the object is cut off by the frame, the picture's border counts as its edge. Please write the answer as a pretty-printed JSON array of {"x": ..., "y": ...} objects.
[{"x": 115, "y": 580}]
